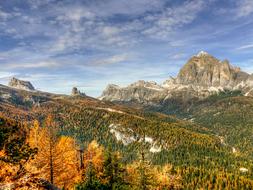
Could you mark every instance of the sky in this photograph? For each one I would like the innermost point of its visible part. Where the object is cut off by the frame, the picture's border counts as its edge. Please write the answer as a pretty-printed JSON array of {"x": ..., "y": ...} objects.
[{"x": 58, "y": 44}]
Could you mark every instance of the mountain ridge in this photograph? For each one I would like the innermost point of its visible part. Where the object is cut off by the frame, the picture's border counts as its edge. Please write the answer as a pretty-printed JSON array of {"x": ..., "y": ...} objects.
[{"x": 202, "y": 75}]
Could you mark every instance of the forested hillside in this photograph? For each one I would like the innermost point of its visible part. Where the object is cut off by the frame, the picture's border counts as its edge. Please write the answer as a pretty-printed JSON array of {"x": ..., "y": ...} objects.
[{"x": 190, "y": 152}]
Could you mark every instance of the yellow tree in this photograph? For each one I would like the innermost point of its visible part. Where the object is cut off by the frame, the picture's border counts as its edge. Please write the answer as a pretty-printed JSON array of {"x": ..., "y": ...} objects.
[
  {"x": 95, "y": 156},
  {"x": 56, "y": 159},
  {"x": 34, "y": 133},
  {"x": 137, "y": 173},
  {"x": 92, "y": 171},
  {"x": 66, "y": 163},
  {"x": 157, "y": 177},
  {"x": 165, "y": 179}
]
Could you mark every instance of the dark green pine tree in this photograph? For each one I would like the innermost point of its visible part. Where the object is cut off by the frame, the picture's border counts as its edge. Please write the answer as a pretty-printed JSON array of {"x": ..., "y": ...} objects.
[
  {"x": 146, "y": 178},
  {"x": 13, "y": 142},
  {"x": 91, "y": 182},
  {"x": 114, "y": 171}
]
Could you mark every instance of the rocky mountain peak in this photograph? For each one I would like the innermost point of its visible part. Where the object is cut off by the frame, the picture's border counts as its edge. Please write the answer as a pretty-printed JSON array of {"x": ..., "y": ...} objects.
[
  {"x": 20, "y": 84},
  {"x": 201, "y": 76},
  {"x": 206, "y": 70}
]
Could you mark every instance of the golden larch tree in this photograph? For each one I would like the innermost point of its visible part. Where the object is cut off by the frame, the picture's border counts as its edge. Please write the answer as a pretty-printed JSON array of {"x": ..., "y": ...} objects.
[{"x": 56, "y": 160}]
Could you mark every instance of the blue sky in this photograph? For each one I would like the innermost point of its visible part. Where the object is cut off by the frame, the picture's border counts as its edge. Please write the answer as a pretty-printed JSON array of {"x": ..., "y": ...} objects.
[{"x": 58, "y": 44}]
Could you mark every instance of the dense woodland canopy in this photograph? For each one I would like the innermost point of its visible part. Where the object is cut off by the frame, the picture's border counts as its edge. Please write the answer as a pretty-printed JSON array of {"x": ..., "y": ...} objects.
[
  {"x": 70, "y": 143},
  {"x": 64, "y": 162}
]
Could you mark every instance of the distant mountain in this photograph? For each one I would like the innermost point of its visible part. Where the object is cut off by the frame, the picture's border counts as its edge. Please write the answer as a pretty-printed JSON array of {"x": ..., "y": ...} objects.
[
  {"x": 209, "y": 134},
  {"x": 207, "y": 71},
  {"x": 20, "y": 84},
  {"x": 203, "y": 75},
  {"x": 141, "y": 91}
]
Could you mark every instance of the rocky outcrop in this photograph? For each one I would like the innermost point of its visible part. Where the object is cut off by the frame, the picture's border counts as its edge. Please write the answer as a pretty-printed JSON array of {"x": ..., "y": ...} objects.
[
  {"x": 76, "y": 92},
  {"x": 202, "y": 76},
  {"x": 20, "y": 84}
]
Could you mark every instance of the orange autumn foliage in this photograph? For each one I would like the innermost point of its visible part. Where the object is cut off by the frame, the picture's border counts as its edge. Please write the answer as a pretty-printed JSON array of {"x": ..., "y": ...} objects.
[
  {"x": 56, "y": 158},
  {"x": 95, "y": 155}
]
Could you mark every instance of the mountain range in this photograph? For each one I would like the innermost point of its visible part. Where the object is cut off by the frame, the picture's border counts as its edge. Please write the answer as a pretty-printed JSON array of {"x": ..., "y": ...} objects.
[
  {"x": 200, "y": 121},
  {"x": 203, "y": 75}
]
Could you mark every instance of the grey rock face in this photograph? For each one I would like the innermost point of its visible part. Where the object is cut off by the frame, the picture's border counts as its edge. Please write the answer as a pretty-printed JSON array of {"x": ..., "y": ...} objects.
[
  {"x": 202, "y": 76},
  {"x": 141, "y": 91},
  {"x": 205, "y": 70},
  {"x": 20, "y": 84}
]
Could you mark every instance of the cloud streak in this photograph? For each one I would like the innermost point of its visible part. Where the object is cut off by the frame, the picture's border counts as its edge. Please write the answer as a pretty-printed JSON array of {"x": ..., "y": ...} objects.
[
  {"x": 248, "y": 46},
  {"x": 112, "y": 60},
  {"x": 42, "y": 64}
]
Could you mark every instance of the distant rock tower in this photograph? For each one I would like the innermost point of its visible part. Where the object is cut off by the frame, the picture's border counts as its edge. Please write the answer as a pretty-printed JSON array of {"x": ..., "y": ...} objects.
[{"x": 76, "y": 92}]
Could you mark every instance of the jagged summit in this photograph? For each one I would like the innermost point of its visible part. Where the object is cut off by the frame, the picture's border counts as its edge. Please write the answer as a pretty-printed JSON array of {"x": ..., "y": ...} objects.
[
  {"x": 208, "y": 71},
  {"x": 20, "y": 84},
  {"x": 201, "y": 76}
]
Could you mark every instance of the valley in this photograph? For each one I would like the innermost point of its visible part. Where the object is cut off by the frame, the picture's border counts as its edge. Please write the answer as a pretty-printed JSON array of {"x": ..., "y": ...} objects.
[{"x": 199, "y": 123}]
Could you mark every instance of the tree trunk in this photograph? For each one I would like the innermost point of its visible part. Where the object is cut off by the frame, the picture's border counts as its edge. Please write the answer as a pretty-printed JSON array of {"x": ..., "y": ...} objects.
[{"x": 51, "y": 166}]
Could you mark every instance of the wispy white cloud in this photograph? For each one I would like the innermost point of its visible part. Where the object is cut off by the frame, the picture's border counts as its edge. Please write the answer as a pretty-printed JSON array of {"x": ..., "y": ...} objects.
[
  {"x": 131, "y": 8},
  {"x": 245, "y": 8},
  {"x": 35, "y": 4},
  {"x": 167, "y": 21},
  {"x": 248, "y": 46},
  {"x": 74, "y": 14},
  {"x": 177, "y": 56},
  {"x": 100, "y": 39},
  {"x": 34, "y": 65},
  {"x": 4, "y": 15},
  {"x": 112, "y": 60},
  {"x": 73, "y": 26}
]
